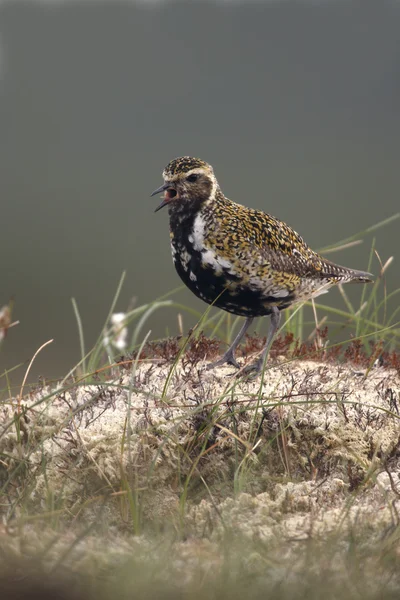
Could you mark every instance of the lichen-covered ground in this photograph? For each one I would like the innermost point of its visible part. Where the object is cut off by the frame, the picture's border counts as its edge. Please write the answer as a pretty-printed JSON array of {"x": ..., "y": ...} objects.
[{"x": 178, "y": 463}]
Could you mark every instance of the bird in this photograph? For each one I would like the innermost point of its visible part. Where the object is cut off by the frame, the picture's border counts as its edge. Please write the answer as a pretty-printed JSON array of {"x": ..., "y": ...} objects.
[{"x": 240, "y": 259}]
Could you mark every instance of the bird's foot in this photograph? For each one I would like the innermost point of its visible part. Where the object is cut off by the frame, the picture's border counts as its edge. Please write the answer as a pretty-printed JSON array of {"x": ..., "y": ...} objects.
[
  {"x": 252, "y": 370},
  {"x": 227, "y": 358}
]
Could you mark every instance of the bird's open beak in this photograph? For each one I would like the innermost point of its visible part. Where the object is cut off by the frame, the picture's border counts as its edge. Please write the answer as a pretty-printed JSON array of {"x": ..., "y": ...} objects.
[
  {"x": 167, "y": 198},
  {"x": 159, "y": 190}
]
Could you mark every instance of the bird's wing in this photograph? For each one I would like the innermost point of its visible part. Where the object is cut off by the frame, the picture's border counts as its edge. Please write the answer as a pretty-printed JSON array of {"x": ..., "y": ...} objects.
[{"x": 271, "y": 242}]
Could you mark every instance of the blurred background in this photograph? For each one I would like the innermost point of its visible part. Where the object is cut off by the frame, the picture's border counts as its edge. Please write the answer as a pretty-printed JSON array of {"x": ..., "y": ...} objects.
[{"x": 295, "y": 103}]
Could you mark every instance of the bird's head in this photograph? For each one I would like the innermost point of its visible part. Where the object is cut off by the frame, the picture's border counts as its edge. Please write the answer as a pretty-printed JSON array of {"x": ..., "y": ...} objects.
[{"x": 186, "y": 180}]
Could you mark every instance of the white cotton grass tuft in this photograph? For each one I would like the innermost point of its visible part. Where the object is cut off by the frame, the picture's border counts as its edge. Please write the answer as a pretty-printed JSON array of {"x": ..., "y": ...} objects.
[
  {"x": 117, "y": 335},
  {"x": 6, "y": 321}
]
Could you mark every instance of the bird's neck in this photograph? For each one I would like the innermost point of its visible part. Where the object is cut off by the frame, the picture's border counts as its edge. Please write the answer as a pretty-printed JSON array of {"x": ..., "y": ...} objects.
[{"x": 183, "y": 213}]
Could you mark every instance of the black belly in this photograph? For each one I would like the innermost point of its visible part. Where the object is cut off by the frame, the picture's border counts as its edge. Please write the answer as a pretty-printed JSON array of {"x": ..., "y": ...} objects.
[{"x": 215, "y": 289}]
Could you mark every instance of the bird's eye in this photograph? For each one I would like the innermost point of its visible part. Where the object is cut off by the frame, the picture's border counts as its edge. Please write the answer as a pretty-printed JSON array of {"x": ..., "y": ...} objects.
[{"x": 192, "y": 178}]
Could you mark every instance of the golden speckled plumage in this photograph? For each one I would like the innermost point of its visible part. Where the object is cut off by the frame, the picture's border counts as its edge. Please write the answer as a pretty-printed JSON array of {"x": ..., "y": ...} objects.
[
  {"x": 239, "y": 259},
  {"x": 182, "y": 165}
]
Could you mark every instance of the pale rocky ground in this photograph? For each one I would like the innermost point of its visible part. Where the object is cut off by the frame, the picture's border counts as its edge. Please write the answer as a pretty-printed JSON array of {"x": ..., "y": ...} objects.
[{"x": 312, "y": 451}]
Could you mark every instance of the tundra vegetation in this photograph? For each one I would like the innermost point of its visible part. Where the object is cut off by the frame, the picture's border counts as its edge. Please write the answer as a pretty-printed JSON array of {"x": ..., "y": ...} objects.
[{"x": 142, "y": 474}]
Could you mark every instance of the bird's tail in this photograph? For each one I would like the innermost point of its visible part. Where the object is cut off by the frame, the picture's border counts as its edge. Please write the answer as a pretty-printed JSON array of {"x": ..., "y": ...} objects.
[
  {"x": 344, "y": 274},
  {"x": 359, "y": 276}
]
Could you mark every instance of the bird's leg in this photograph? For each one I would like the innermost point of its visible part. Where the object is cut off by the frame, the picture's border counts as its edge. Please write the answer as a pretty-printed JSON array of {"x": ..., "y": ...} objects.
[
  {"x": 256, "y": 367},
  {"x": 229, "y": 356}
]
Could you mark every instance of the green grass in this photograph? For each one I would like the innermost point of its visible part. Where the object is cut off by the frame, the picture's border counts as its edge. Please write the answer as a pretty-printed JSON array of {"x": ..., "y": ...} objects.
[{"x": 211, "y": 453}]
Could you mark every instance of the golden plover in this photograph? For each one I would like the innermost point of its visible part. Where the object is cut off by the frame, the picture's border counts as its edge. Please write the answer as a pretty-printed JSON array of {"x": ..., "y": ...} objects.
[{"x": 240, "y": 259}]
